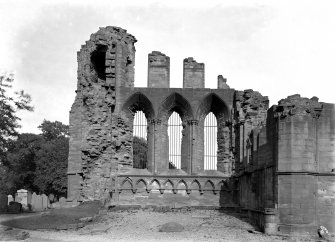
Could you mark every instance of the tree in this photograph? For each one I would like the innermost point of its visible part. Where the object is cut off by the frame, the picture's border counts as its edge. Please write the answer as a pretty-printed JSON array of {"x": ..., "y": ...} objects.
[
  {"x": 52, "y": 130},
  {"x": 20, "y": 162},
  {"x": 140, "y": 150},
  {"x": 37, "y": 162},
  {"x": 9, "y": 105},
  {"x": 51, "y": 166}
]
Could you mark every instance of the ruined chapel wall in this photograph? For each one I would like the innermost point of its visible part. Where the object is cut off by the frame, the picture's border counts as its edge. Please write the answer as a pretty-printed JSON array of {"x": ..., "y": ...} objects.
[
  {"x": 305, "y": 162},
  {"x": 289, "y": 178}
]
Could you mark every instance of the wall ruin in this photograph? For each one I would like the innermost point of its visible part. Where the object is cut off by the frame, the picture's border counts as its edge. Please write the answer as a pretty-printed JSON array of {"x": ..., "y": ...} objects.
[{"x": 277, "y": 163}]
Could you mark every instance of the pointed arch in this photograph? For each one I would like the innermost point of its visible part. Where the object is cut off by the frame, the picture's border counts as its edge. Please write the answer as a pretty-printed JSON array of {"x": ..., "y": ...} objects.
[
  {"x": 168, "y": 181},
  {"x": 138, "y": 102},
  {"x": 213, "y": 103},
  {"x": 175, "y": 103},
  {"x": 182, "y": 182},
  {"x": 127, "y": 184},
  {"x": 139, "y": 182},
  {"x": 209, "y": 186},
  {"x": 151, "y": 184}
]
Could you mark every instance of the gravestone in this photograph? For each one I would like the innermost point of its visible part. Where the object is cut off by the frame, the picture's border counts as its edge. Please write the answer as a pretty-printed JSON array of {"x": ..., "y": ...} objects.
[
  {"x": 62, "y": 201},
  {"x": 36, "y": 202},
  {"x": 45, "y": 201},
  {"x": 9, "y": 199},
  {"x": 29, "y": 198},
  {"x": 3, "y": 202},
  {"x": 22, "y": 197}
]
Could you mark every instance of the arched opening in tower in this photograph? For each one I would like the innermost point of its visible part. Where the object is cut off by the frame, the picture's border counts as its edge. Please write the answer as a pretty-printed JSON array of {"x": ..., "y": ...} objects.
[
  {"x": 175, "y": 129},
  {"x": 140, "y": 144},
  {"x": 98, "y": 58},
  {"x": 210, "y": 142}
]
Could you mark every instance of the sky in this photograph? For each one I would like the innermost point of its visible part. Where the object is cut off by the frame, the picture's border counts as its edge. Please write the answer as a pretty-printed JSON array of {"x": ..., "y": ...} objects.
[{"x": 278, "y": 48}]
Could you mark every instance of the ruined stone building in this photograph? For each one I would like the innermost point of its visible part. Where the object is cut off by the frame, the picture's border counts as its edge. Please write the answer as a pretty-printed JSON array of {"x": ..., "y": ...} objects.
[{"x": 275, "y": 163}]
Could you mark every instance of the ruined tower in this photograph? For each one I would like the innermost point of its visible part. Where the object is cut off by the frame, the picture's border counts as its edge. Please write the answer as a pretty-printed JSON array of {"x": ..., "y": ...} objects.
[{"x": 105, "y": 63}]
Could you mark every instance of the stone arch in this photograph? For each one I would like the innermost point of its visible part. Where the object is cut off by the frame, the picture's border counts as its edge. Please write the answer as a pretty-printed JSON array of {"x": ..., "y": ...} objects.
[
  {"x": 175, "y": 103},
  {"x": 184, "y": 183},
  {"x": 151, "y": 185},
  {"x": 138, "y": 102},
  {"x": 196, "y": 185},
  {"x": 127, "y": 185},
  {"x": 213, "y": 103},
  {"x": 209, "y": 186},
  {"x": 168, "y": 186},
  {"x": 139, "y": 182}
]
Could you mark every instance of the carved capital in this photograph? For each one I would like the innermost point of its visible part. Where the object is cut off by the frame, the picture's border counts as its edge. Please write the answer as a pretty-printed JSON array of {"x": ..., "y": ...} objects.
[
  {"x": 155, "y": 121},
  {"x": 192, "y": 122}
]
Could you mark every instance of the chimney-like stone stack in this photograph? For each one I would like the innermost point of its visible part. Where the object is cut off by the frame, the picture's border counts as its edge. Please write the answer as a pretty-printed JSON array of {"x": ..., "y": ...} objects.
[
  {"x": 158, "y": 70},
  {"x": 193, "y": 74}
]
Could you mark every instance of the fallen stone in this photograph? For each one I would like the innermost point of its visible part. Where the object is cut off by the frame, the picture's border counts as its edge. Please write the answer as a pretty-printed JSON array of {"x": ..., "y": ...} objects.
[
  {"x": 323, "y": 232},
  {"x": 86, "y": 219},
  {"x": 171, "y": 227}
]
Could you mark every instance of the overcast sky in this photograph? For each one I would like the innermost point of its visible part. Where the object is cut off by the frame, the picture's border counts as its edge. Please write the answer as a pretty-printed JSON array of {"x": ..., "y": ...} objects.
[{"x": 278, "y": 48}]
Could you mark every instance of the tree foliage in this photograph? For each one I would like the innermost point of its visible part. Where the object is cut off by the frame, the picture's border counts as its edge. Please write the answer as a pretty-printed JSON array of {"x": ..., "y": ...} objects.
[
  {"x": 9, "y": 105},
  {"x": 53, "y": 130},
  {"x": 140, "y": 150},
  {"x": 38, "y": 162}
]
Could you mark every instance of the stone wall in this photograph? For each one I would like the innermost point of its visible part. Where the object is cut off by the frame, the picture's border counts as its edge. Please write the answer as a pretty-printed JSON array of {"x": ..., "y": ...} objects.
[
  {"x": 278, "y": 164},
  {"x": 193, "y": 74},
  {"x": 158, "y": 70},
  {"x": 105, "y": 63},
  {"x": 288, "y": 168}
]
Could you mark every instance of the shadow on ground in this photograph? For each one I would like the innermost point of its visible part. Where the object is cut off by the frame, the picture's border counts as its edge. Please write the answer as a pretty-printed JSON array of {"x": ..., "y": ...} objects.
[{"x": 56, "y": 217}]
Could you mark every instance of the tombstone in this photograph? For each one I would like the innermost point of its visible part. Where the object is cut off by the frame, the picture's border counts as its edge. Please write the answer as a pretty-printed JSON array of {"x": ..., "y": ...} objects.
[
  {"x": 3, "y": 202},
  {"x": 36, "y": 202},
  {"x": 45, "y": 201},
  {"x": 29, "y": 197},
  {"x": 10, "y": 199},
  {"x": 62, "y": 201},
  {"x": 51, "y": 198},
  {"x": 22, "y": 197}
]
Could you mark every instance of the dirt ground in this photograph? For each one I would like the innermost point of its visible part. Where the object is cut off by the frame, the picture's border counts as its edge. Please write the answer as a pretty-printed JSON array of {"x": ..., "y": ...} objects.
[{"x": 144, "y": 225}]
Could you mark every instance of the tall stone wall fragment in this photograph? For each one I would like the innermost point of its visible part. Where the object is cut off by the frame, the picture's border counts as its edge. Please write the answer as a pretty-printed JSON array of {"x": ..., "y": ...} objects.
[
  {"x": 193, "y": 74},
  {"x": 158, "y": 70},
  {"x": 105, "y": 63}
]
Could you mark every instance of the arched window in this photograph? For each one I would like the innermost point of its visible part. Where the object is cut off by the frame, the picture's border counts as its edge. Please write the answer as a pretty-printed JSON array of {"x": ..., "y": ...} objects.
[
  {"x": 210, "y": 142},
  {"x": 175, "y": 135},
  {"x": 140, "y": 146}
]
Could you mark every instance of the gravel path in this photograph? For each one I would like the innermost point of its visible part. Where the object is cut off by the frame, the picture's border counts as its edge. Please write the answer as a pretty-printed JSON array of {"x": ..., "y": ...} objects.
[{"x": 143, "y": 225}]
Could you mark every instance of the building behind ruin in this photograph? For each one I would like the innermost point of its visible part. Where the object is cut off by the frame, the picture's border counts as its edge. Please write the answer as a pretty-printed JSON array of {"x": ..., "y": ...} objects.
[{"x": 276, "y": 163}]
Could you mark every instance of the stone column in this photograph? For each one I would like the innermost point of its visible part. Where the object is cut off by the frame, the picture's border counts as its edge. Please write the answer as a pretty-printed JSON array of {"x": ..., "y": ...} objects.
[
  {"x": 160, "y": 146},
  {"x": 192, "y": 127}
]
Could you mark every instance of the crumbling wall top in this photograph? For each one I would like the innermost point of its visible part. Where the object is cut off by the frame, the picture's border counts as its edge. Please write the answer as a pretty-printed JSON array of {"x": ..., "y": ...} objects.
[
  {"x": 191, "y": 63},
  {"x": 297, "y": 105},
  {"x": 158, "y": 58},
  {"x": 112, "y": 32}
]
